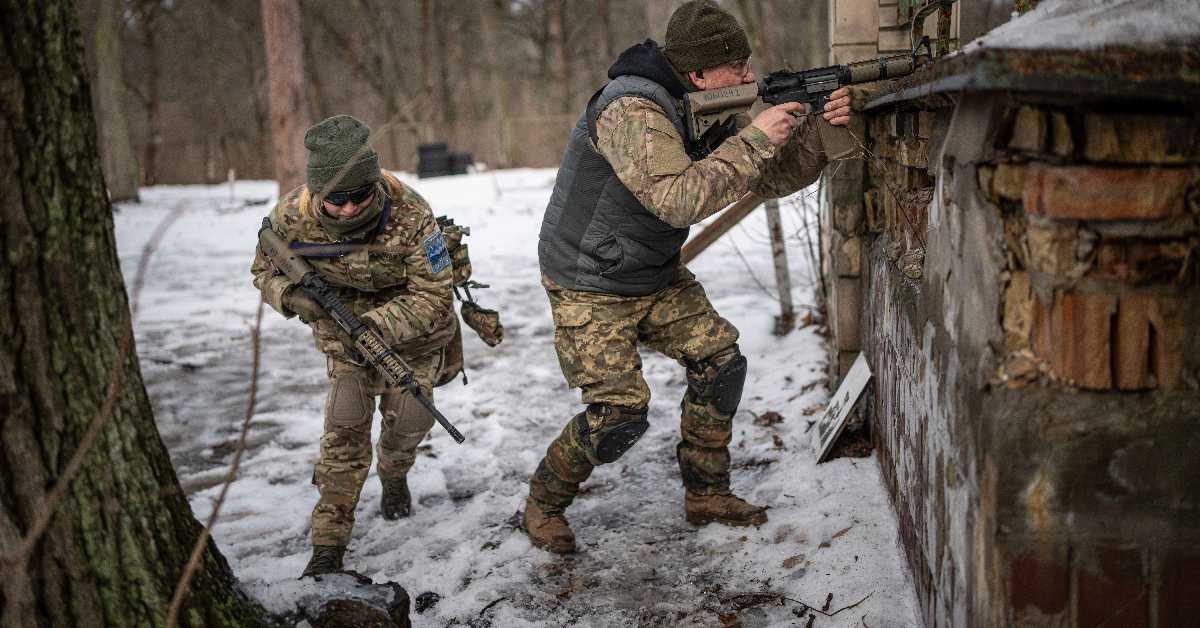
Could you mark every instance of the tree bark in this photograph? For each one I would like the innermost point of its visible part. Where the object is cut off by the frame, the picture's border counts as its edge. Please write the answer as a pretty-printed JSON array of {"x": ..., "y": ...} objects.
[
  {"x": 757, "y": 20},
  {"x": 562, "y": 61},
  {"x": 658, "y": 13},
  {"x": 118, "y": 542},
  {"x": 287, "y": 101},
  {"x": 604, "y": 35},
  {"x": 120, "y": 160},
  {"x": 442, "y": 33},
  {"x": 425, "y": 53},
  {"x": 153, "y": 107},
  {"x": 490, "y": 18}
]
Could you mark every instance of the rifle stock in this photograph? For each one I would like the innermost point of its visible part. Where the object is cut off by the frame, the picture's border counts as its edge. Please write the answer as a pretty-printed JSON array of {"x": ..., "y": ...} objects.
[{"x": 366, "y": 340}]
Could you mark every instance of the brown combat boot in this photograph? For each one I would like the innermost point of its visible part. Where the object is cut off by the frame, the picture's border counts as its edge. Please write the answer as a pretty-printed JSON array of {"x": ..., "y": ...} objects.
[
  {"x": 730, "y": 510},
  {"x": 325, "y": 559},
  {"x": 396, "y": 501},
  {"x": 550, "y": 533}
]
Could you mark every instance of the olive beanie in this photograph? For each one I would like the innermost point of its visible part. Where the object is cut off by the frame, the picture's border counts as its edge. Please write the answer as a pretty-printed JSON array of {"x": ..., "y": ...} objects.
[
  {"x": 340, "y": 156},
  {"x": 700, "y": 34}
]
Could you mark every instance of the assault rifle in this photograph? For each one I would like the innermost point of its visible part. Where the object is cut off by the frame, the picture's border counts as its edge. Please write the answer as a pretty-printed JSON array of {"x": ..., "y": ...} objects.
[
  {"x": 706, "y": 109},
  {"x": 366, "y": 340}
]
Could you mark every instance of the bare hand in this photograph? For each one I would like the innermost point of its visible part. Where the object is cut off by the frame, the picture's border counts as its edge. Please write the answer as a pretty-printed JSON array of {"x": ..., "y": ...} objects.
[
  {"x": 837, "y": 110},
  {"x": 778, "y": 122}
]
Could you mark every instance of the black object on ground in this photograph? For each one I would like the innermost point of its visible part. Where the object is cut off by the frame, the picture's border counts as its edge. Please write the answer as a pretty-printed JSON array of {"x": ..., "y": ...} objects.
[
  {"x": 426, "y": 601},
  {"x": 435, "y": 159}
]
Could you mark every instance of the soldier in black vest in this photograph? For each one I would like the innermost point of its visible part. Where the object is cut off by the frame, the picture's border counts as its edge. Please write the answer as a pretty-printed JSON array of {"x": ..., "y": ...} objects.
[{"x": 629, "y": 187}]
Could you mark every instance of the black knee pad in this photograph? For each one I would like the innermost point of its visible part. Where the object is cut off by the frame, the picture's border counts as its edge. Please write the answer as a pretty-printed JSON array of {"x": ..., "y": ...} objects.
[
  {"x": 619, "y": 428},
  {"x": 728, "y": 384}
]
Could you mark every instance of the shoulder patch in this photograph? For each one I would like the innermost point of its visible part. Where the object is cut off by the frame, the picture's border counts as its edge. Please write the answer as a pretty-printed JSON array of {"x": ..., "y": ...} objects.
[{"x": 435, "y": 252}]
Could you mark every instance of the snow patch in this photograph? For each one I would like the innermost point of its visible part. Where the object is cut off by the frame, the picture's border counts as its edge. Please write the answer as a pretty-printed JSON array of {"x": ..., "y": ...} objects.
[{"x": 831, "y": 527}]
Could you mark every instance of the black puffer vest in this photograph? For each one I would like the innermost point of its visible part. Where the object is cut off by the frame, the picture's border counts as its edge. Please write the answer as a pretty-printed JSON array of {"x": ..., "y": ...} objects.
[{"x": 596, "y": 236}]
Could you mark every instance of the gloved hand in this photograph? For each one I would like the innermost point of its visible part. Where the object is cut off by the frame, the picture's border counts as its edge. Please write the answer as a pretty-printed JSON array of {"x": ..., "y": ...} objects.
[
  {"x": 485, "y": 322},
  {"x": 297, "y": 301}
]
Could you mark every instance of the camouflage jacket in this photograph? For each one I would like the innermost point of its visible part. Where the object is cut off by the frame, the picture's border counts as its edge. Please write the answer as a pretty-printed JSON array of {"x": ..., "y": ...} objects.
[
  {"x": 647, "y": 153},
  {"x": 397, "y": 281}
]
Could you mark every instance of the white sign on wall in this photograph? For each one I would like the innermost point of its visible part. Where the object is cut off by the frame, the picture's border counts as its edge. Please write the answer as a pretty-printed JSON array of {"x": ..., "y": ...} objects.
[{"x": 834, "y": 420}]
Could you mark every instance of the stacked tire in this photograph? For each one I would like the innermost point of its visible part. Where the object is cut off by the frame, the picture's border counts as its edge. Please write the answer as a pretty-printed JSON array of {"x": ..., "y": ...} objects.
[{"x": 435, "y": 159}]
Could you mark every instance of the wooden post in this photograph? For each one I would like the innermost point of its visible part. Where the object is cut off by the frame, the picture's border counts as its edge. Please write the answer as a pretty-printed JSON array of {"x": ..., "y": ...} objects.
[
  {"x": 783, "y": 279},
  {"x": 717, "y": 228}
]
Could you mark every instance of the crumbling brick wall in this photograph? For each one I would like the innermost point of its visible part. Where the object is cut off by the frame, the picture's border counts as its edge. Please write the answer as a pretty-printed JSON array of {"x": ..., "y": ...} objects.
[{"x": 1034, "y": 328}]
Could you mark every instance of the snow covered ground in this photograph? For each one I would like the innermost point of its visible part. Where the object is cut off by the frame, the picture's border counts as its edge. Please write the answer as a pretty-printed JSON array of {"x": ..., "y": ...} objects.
[{"x": 831, "y": 529}]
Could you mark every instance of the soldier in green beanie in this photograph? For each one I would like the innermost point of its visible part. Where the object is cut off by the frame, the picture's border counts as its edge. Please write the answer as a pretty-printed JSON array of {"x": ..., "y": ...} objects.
[
  {"x": 376, "y": 240},
  {"x": 630, "y": 185}
]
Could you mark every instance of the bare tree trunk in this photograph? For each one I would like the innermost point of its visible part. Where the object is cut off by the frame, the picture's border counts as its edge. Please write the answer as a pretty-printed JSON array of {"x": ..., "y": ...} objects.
[
  {"x": 768, "y": 10},
  {"x": 120, "y": 160},
  {"x": 754, "y": 16},
  {"x": 442, "y": 28},
  {"x": 426, "y": 54},
  {"x": 604, "y": 36},
  {"x": 558, "y": 44},
  {"x": 287, "y": 101},
  {"x": 118, "y": 542},
  {"x": 153, "y": 103},
  {"x": 658, "y": 13},
  {"x": 317, "y": 97},
  {"x": 489, "y": 27},
  {"x": 545, "y": 60}
]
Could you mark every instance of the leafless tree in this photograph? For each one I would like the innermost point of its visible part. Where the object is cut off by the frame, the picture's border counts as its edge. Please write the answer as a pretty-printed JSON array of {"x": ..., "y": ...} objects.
[
  {"x": 285, "y": 74},
  {"x": 107, "y": 548},
  {"x": 120, "y": 160}
]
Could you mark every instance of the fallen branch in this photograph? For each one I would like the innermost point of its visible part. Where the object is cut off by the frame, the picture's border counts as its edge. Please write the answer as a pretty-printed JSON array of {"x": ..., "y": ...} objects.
[
  {"x": 846, "y": 608},
  {"x": 490, "y": 605},
  {"x": 741, "y": 601},
  {"x": 202, "y": 541}
]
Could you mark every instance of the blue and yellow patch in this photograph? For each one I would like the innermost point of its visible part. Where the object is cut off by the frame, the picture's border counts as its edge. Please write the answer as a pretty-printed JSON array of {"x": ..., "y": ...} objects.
[{"x": 436, "y": 253}]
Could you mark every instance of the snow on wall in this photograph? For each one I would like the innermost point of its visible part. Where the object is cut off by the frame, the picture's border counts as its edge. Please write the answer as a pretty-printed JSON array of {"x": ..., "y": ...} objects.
[{"x": 1093, "y": 24}]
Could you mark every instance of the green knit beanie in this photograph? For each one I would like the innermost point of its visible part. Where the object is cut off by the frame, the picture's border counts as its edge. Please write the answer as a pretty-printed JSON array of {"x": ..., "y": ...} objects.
[
  {"x": 702, "y": 35},
  {"x": 339, "y": 155}
]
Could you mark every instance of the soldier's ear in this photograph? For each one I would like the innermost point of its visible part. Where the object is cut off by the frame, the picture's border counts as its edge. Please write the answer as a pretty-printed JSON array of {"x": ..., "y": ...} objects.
[{"x": 697, "y": 77}]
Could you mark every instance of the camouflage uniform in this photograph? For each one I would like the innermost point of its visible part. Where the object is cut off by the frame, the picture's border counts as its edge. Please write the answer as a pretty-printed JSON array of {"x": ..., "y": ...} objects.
[
  {"x": 596, "y": 334},
  {"x": 406, "y": 295}
]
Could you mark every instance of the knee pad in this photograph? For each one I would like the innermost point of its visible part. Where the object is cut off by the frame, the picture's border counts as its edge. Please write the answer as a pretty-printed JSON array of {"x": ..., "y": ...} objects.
[
  {"x": 405, "y": 414},
  {"x": 728, "y": 384},
  {"x": 349, "y": 402},
  {"x": 607, "y": 432},
  {"x": 718, "y": 383}
]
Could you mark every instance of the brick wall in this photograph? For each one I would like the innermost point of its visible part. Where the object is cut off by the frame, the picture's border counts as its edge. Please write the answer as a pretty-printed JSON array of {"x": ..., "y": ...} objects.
[{"x": 1034, "y": 327}]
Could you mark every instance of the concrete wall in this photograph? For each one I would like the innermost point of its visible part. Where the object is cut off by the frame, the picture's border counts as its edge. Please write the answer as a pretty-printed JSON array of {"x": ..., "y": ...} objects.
[{"x": 859, "y": 30}]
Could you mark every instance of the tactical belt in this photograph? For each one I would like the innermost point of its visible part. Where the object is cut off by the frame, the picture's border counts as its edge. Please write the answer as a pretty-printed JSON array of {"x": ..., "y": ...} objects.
[{"x": 346, "y": 247}]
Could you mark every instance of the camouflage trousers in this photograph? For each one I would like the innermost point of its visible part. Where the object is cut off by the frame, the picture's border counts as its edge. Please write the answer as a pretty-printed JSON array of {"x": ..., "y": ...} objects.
[
  {"x": 596, "y": 336},
  {"x": 345, "y": 456}
]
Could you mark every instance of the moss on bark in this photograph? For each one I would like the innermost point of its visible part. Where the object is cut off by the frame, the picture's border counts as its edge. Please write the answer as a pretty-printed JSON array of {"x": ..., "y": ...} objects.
[{"x": 119, "y": 541}]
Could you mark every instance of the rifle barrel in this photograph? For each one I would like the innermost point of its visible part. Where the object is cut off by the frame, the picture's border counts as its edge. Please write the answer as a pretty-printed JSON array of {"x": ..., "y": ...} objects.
[{"x": 881, "y": 68}]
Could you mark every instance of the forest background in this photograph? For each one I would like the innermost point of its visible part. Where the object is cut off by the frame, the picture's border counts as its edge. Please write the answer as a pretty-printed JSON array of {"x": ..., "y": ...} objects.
[{"x": 180, "y": 87}]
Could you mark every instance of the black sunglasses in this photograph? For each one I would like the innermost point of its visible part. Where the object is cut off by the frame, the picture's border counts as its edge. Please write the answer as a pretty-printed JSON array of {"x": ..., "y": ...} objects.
[{"x": 356, "y": 196}]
